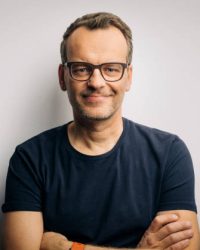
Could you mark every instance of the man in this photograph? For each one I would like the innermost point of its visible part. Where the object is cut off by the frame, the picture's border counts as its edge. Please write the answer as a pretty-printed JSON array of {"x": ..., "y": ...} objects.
[{"x": 101, "y": 180}]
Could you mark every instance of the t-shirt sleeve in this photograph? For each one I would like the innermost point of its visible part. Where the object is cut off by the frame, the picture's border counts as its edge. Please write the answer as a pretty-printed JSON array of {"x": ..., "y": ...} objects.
[
  {"x": 23, "y": 184},
  {"x": 178, "y": 181}
]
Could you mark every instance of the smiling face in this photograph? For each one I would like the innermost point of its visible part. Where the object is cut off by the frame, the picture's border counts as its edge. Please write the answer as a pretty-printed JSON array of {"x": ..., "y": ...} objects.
[{"x": 96, "y": 99}]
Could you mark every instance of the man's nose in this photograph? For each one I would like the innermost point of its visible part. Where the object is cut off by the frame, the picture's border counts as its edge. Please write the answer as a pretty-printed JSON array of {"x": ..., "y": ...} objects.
[{"x": 96, "y": 80}]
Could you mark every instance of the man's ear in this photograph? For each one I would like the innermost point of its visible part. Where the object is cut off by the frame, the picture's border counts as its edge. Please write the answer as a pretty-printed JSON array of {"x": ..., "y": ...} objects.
[
  {"x": 129, "y": 78},
  {"x": 61, "y": 77}
]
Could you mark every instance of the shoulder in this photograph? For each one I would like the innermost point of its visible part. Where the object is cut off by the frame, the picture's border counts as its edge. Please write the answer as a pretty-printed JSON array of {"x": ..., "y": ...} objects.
[
  {"x": 44, "y": 139},
  {"x": 143, "y": 134},
  {"x": 41, "y": 147},
  {"x": 163, "y": 146},
  {"x": 145, "y": 131},
  {"x": 32, "y": 156}
]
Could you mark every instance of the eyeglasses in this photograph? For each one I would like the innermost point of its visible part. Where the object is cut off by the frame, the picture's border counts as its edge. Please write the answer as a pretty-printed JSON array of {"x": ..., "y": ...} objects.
[{"x": 82, "y": 71}]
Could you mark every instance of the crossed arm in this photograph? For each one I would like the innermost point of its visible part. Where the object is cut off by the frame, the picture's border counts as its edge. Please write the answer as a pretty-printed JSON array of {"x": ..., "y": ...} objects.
[{"x": 25, "y": 230}]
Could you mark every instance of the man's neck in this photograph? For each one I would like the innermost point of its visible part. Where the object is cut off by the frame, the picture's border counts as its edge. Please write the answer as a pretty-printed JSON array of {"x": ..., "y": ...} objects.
[{"x": 95, "y": 137}]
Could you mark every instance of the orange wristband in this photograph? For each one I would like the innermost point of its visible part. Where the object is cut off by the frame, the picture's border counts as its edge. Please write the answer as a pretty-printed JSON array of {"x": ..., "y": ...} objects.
[{"x": 77, "y": 246}]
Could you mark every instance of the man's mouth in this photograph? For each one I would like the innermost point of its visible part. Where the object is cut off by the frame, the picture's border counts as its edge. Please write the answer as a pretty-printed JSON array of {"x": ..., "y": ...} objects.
[{"x": 95, "y": 98}]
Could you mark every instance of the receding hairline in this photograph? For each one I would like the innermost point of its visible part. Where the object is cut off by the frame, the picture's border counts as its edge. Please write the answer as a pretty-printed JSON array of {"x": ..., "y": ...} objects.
[
  {"x": 99, "y": 20},
  {"x": 94, "y": 30},
  {"x": 74, "y": 41}
]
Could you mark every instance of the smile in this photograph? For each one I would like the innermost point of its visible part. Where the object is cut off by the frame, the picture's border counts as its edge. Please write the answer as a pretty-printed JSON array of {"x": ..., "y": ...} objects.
[{"x": 95, "y": 98}]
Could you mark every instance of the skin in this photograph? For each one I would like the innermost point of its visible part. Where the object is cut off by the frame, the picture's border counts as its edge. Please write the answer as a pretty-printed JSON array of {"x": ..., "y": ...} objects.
[
  {"x": 96, "y": 128},
  {"x": 96, "y": 103},
  {"x": 23, "y": 230},
  {"x": 103, "y": 99},
  {"x": 158, "y": 236}
]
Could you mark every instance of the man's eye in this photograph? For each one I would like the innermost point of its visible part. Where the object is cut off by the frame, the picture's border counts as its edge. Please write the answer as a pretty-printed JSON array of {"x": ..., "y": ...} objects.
[
  {"x": 111, "y": 69},
  {"x": 81, "y": 70}
]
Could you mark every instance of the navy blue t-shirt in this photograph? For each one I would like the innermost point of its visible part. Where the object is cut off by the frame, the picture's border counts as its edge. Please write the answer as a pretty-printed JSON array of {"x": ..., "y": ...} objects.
[{"x": 109, "y": 199}]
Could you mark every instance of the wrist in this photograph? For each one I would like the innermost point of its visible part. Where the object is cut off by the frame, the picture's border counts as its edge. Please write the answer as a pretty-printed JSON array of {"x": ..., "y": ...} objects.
[
  {"x": 68, "y": 245},
  {"x": 77, "y": 246}
]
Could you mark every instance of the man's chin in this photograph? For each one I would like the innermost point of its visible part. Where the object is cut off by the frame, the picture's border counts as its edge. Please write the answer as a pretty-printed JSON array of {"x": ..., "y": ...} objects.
[{"x": 95, "y": 116}]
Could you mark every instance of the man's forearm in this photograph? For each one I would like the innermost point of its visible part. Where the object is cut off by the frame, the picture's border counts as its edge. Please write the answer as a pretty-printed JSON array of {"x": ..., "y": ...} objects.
[
  {"x": 164, "y": 232},
  {"x": 56, "y": 241},
  {"x": 90, "y": 247}
]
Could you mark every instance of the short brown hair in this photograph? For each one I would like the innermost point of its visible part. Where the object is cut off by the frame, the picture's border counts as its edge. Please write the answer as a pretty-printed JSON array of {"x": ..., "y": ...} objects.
[{"x": 99, "y": 20}]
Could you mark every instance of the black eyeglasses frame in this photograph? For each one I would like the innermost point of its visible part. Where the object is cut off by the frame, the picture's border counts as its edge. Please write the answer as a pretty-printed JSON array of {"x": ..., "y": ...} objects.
[{"x": 93, "y": 67}]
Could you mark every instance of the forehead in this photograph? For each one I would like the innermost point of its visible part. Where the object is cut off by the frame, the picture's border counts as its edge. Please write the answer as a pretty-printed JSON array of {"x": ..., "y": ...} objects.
[{"x": 97, "y": 46}]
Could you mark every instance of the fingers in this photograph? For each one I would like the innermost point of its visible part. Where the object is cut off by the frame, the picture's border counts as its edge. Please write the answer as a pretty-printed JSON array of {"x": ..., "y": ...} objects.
[
  {"x": 178, "y": 239},
  {"x": 161, "y": 220},
  {"x": 172, "y": 228},
  {"x": 179, "y": 246},
  {"x": 166, "y": 232}
]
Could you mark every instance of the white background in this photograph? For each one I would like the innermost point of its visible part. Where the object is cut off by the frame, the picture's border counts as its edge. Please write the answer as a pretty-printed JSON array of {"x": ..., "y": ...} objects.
[{"x": 166, "y": 83}]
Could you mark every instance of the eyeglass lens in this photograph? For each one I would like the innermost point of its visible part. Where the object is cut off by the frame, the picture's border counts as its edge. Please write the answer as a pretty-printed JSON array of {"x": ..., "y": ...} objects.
[{"x": 109, "y": 71}]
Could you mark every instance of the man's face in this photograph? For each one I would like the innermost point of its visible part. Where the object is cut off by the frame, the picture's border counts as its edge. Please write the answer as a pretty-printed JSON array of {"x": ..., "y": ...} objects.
[{"x": 96, "y": 98}]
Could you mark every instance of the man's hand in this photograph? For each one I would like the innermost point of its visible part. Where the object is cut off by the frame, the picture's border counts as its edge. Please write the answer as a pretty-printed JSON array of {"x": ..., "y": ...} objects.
[
  {"x": 167, "y": 233},
  {"x": 54, "y": 241}
]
